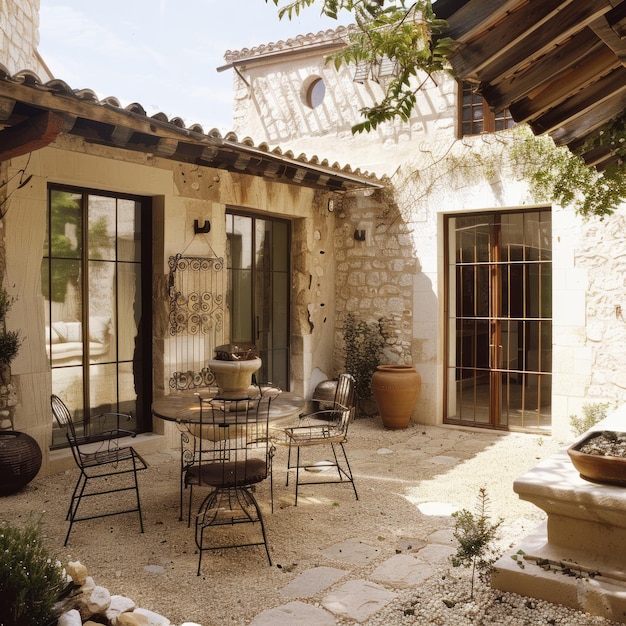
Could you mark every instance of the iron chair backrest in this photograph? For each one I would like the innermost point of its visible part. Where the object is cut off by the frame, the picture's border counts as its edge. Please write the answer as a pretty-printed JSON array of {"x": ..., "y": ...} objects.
[
  {"x": 234, "y": 432},
  {"x": 65, "y": 420},
  {"x": 224, "y": 435},
  {"x": 345, "y": 394},
  {"x": 343, "y": 406},
  {"x": 63, "y": 416}
]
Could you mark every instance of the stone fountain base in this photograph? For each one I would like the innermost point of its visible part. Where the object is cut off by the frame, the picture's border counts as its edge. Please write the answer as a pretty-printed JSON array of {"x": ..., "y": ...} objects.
[{"x": 578, "y": 556}]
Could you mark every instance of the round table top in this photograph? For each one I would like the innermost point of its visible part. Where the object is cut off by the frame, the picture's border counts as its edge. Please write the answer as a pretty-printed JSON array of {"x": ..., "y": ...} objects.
[{"x": 185, "y": 406}]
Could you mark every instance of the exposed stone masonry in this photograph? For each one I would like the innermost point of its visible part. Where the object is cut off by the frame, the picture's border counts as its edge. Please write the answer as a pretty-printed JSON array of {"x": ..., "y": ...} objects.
[{"x": 375, "y": 276}]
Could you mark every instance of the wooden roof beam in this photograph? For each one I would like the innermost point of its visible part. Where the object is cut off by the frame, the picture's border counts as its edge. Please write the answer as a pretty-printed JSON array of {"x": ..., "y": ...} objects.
[
  {"x": 474, "y": 16},
  {"x": 555, "y": 30},
  {"x": 583, "y": 125},
  {"x": 604, "y": 31},
  {"x": 491, "y": 44},
  {"x": 584, "y": 77},
  {"x": 537, "y": 74},
  {"x": 32, "y": 134},
  {"x": 603, "y": 90}
]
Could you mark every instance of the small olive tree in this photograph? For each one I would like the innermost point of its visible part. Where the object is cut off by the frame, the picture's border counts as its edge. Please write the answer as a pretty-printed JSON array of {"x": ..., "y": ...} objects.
[{"x": 476, "y": 534}]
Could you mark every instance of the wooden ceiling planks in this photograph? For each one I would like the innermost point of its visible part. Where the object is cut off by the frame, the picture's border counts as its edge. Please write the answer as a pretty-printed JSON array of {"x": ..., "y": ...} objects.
[{"x": 559, "y": 65}]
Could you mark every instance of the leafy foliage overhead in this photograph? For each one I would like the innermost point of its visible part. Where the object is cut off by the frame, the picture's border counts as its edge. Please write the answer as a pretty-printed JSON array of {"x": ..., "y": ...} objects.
[{"x": 411, "y": 35}]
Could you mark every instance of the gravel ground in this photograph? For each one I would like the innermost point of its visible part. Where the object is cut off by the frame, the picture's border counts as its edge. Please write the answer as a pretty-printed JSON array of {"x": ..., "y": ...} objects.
[{"x": 397, "y": 472}]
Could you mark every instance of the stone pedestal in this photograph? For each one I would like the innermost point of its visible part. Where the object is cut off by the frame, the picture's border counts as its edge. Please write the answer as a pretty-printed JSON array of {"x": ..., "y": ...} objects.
[{"x": 578, "y": 556}]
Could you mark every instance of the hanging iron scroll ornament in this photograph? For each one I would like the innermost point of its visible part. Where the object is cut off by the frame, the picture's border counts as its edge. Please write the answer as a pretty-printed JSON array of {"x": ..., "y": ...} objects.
[{"x": 196, "y": 318}]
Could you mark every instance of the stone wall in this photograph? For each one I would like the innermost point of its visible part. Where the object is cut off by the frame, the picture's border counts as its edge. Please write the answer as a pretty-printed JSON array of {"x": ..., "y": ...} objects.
[{"x": 375, "y": 267}]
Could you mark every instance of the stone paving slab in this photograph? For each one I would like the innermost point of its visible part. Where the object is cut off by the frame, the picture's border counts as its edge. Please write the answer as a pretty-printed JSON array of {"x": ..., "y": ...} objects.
[
  {"x": 352, "y": 551},
  {"x": 358, "y": 599},
  {"x": 294, "y": 613},
  {"x": 402, "y": 571},
  {"x": 436, "y": 554},
  {"x": 312, "y": 581}
]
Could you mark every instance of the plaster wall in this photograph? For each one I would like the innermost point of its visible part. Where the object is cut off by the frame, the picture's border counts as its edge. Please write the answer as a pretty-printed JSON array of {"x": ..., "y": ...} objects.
[
  {"x": 270, "y": 105},
  {"x": 398, "y": 270},
  {"x": 19, "y": 37},
  {"x": 180, "y": 194}
]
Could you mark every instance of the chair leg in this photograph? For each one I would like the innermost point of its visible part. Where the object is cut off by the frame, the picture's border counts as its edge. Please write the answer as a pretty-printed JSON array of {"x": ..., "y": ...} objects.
[
  {"x": 81, "y": 483},
  {"x": 351, "y": 478},
  {"x": 288, "y": 464},
  {"x": 297, "y": 472},
  {"x": 137, "y": 494},
  {"x": 258, "y": 512},
  {"x": 229, "y": 499},
  {"x": 189, "y": 507}
]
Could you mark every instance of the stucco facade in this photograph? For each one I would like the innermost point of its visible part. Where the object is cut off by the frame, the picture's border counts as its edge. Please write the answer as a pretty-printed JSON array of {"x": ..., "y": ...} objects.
[
  {"x": 427, "y": 165},
  {"x": 180, "y": 195},
  {"x": 19, "y": 37}
]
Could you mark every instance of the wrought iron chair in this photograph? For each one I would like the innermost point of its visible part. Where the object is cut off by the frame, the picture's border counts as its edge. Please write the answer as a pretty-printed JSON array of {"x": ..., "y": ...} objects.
[
  {"x": 233, "y": 456},
  {"x": 99, "y": 459},
  {"x": 193, "y": 450},
  {"x": 328, "y": 427}
]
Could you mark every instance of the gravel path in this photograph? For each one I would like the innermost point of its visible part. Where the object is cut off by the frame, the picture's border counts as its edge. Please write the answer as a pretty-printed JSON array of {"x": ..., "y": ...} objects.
[{"x": 402, "y": 477}]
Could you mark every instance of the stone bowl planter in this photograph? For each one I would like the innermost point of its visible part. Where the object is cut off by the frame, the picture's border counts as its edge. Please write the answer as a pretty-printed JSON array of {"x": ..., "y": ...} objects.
[
  {"x": 233, "y": 367},
  {"x": 600, "y": 456}
]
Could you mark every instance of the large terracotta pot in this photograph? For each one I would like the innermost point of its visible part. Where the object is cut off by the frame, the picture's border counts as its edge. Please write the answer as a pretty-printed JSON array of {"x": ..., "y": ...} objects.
[{"x": 396, "y": 389}]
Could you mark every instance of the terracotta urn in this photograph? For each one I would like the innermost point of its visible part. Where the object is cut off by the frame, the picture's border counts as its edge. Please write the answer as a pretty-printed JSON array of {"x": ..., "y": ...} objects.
[{"x": 396, "y": 389}]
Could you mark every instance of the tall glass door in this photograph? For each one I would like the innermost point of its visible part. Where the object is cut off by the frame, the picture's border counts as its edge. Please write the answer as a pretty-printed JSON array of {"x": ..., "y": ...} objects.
[
  {"x": 96, "y": 284},
  {"x": 499, "y": 319},
  {"x": 258, "y": 290}
]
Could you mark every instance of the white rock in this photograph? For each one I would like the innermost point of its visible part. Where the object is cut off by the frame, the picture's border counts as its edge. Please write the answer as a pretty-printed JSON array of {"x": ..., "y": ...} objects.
[
  {"x": 78, "y": 572},
  {"x": 93, "y": 601},
  {"x": 71, "y": 618},
  {"x": 154, "y": 619},
  {"x": 119, "y": 604}
]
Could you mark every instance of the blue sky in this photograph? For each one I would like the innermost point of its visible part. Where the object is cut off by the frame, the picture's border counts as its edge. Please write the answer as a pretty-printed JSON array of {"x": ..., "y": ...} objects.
[{"x": 162, "y": 53}]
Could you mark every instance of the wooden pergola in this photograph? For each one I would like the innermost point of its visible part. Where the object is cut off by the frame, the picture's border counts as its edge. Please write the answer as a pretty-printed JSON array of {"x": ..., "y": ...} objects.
[{"x": 558, "y": 65}]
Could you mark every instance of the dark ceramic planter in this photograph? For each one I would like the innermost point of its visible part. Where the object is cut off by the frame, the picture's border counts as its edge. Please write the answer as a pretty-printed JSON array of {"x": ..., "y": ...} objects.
[
  {"x": 20, "y": 460},
  {"x": 598, "y": 468}
]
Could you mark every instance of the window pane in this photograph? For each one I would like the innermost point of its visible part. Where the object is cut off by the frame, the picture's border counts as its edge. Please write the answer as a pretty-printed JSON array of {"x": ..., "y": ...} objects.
[
  {"x": 84, "y": 330},
  {"x": 128, "y": 230},
  {"x": 128, "y": 309},
  {"x": 101, "y": 232},
  {"x": 66, "y": 225}
]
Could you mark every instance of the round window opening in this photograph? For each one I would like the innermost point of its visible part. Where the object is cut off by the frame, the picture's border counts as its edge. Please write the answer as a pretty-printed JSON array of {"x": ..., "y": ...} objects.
[{"x": 315, "y": 92}]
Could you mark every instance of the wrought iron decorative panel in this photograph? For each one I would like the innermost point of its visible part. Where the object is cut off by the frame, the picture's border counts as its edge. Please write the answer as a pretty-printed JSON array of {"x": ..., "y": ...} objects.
[{"x": 196, "y": 318}]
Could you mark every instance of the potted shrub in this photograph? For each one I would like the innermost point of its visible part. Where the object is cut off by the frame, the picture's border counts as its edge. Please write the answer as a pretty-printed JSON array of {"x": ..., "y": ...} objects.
[
  {"x": 20, "y": 455},
  {"x": 363, "y": 344}
]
